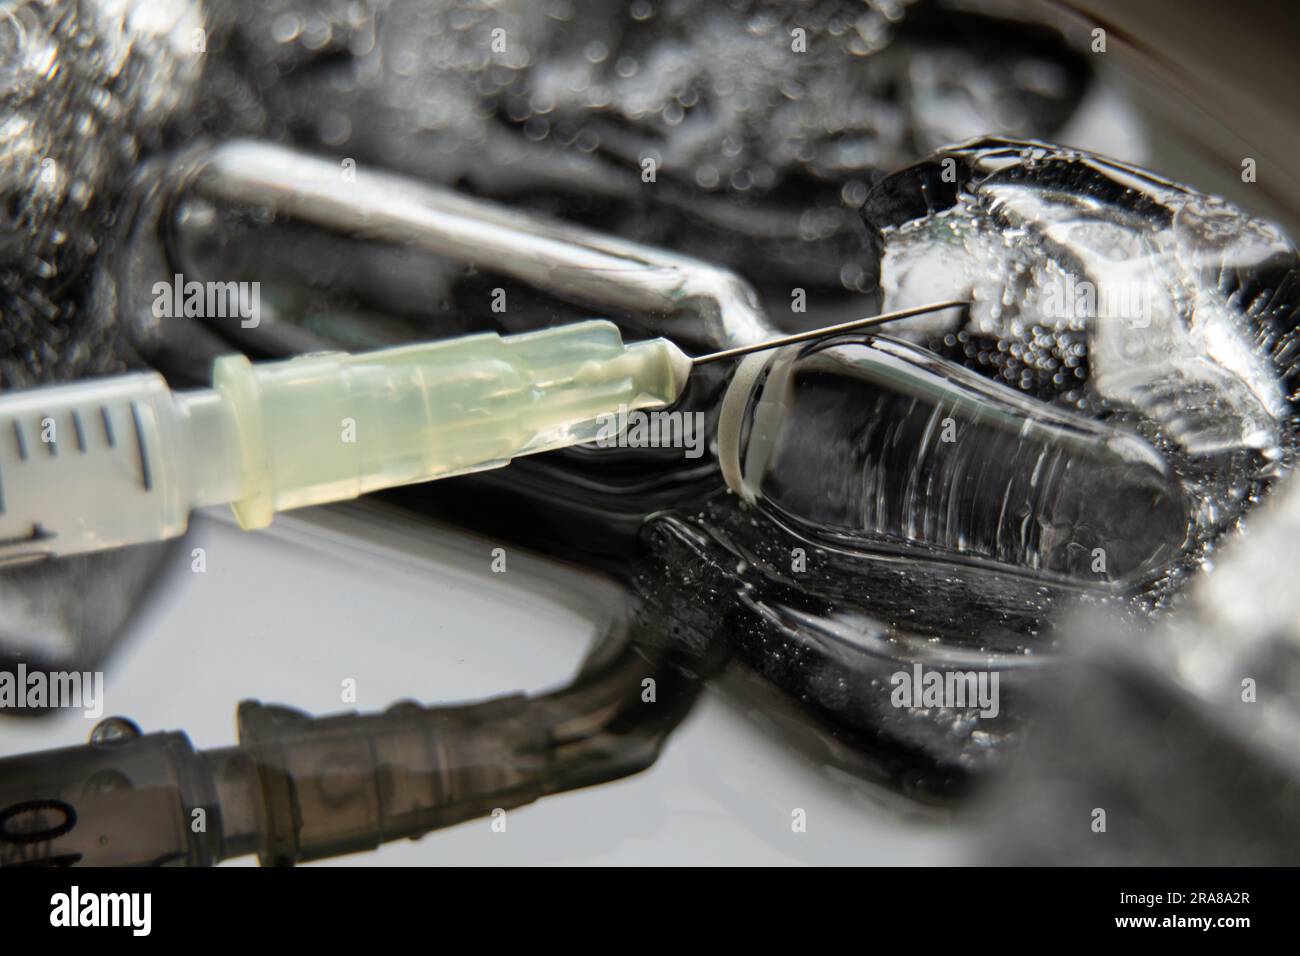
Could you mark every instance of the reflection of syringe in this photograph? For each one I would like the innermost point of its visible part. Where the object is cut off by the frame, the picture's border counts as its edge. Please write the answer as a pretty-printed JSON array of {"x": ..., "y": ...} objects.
[{"x": 124, "y": 460}]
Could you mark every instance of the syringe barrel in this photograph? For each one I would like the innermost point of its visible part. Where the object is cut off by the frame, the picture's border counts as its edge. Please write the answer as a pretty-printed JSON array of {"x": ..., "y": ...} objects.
[
  {"x": 88, "y": 466},
  {"x": 331, "y": 426}
]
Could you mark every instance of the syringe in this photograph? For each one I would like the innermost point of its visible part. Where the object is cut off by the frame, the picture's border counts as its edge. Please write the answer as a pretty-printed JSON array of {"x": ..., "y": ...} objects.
[{"x": 124, "y": 460}]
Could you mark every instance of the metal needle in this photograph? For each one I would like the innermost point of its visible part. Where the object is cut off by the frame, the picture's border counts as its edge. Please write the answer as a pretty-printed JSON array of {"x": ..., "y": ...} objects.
[{"x": 829, "y": 330}]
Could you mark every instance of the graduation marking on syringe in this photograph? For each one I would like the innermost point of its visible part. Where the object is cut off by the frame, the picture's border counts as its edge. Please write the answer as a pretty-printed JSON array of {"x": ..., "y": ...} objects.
[
  {"x": 81, "y": 433},
  {"x": 146, "y": 475},
  {"x": 108, "y": 426}
]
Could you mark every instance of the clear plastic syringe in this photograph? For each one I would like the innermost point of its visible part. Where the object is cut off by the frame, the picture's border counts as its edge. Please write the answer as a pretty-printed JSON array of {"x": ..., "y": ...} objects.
[{"x": 123, "y": 460}]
